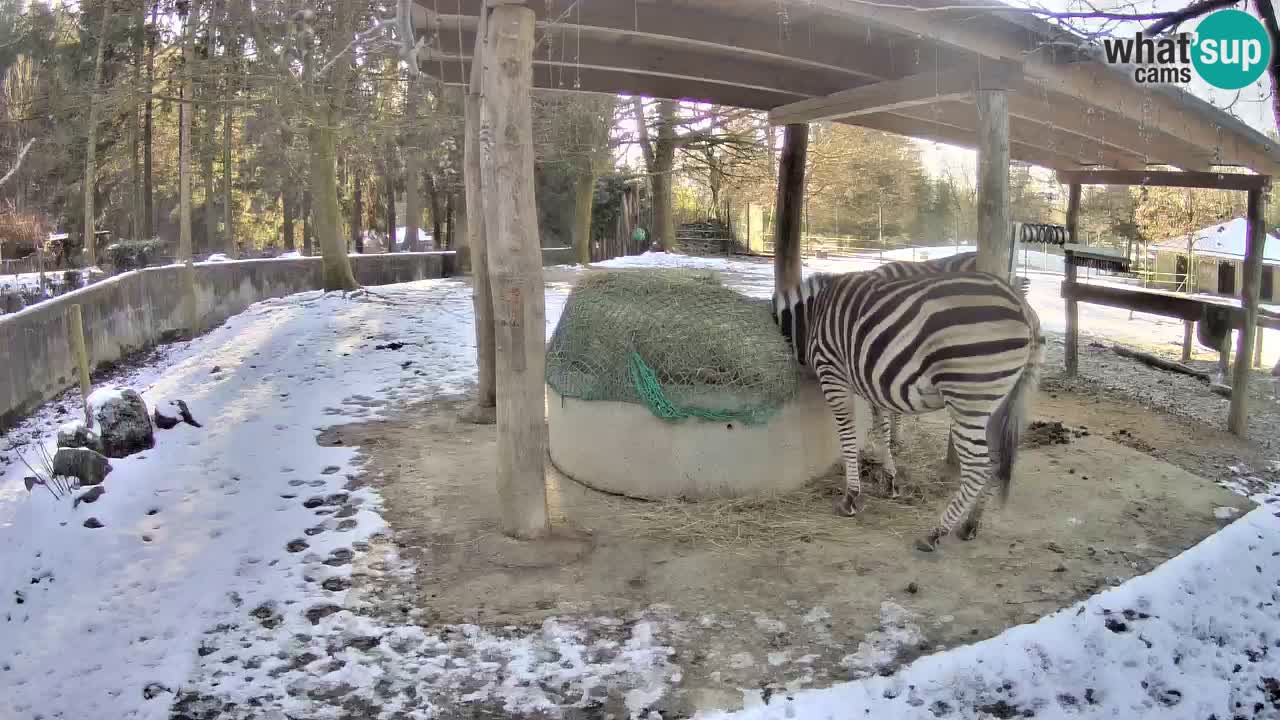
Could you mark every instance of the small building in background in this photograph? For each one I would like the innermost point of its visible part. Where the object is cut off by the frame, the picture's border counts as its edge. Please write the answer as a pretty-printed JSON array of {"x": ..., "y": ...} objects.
[{"x": 1214, "y": 262}]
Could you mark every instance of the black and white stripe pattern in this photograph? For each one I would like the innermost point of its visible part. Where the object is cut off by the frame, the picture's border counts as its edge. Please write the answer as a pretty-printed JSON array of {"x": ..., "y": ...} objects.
[
  {"x": 959, "y": 262},
  {"x": 964, "y": 342}
]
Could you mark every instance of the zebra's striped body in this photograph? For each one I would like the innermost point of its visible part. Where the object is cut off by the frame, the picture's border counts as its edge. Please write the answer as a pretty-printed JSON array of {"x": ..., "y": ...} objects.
[
  {"x": 959, "y": 262},
  {"x": 964, "y": 342}
]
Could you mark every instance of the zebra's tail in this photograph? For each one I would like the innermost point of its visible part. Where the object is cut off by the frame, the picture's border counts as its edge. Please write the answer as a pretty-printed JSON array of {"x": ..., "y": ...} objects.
[{"x": 1004, "y": 433}]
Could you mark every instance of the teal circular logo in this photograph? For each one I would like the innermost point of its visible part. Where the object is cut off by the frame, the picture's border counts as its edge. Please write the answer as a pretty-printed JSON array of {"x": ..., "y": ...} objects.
[{"x": 1232, "y": 49}]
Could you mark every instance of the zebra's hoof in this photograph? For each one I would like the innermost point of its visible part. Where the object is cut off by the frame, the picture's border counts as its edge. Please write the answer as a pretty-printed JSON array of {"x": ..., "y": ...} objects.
[
  {"x": 929, "y": 542},
  {"x": 849, "y": 505},
  {"x": 969, "y": 530}
]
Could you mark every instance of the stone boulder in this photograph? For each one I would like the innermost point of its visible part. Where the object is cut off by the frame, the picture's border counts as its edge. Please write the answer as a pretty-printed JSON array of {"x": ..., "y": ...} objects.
[
  {"x": 76, "y": 435},
  {"x": 122, "y": 422},
  {"x": 89, "y": 467}
]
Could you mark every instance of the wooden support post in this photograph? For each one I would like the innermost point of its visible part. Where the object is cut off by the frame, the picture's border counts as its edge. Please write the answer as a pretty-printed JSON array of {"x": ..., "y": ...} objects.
[
  {"x": 790, "y": 206},
  {"x": 1072, "y": 350},
  {"x": 1224, "y": 359},
  {"x": 75, "y": 328},
  {"x": 1257, "y": 347},
  {"x": 1188, "y": 334},
  {"x": 993, "y": 181},
  {"x": 515, "y": 265},
  {"x": 477, "y": 247},
  {"x": 1238, "y": 419}
]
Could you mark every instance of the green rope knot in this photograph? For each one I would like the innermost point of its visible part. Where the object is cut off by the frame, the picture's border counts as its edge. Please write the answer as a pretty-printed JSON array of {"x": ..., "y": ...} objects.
[{"x": 650, "y": 391}]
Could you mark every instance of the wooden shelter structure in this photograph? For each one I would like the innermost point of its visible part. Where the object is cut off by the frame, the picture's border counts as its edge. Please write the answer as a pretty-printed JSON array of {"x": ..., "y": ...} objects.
[{"x": 964, "y": 72}]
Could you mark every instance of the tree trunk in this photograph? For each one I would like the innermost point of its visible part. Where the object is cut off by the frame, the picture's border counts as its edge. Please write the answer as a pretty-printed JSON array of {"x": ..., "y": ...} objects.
[
  {"x": 135, "y": 122},
  {"x": 390, "y": 181},
  {"x": 515, "y": 257},
  {"x": 664, "y": 156},
  {"x": 429, "y": 182},
  {"x": 206, "y": 174},
  {"x": 286, "y": 226},
  {"x": 477, "y": 243},
  {"x": 148, "y": 194},
  {"x": 91, "y": 145},
  {"x": 308, "y": 238},
  {"x": 584, "y": 190},
  {"x": 229, "y": 231},
  {"x": 184, "y": 166},
  {"x": 357, "y": 213},
  {"x": 324, "y": 183},
  {"x": 412, "y": 172},
  {"x": 448, "y": 223}
]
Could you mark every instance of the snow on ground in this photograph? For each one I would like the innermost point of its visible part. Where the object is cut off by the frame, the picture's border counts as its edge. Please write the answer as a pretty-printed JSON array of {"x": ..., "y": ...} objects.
[
  {"x": 222, "y": 568},
  {"x": 1196, "y": 638}
]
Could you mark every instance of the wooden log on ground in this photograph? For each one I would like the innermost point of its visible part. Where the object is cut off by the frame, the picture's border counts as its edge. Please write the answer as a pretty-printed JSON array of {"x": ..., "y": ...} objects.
[
  {"x": 1158, "y": 362},
  {"x": 515, "y": 266}
]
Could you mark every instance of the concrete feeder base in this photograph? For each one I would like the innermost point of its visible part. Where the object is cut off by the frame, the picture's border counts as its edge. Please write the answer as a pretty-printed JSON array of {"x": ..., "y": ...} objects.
[{"x": 622, "y": 448}]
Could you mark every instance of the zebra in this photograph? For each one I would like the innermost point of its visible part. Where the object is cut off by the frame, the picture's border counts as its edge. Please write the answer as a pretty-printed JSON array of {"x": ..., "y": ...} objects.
[
  {"x": 966, "y": 342},
  {"x": 959, "y": 262}
]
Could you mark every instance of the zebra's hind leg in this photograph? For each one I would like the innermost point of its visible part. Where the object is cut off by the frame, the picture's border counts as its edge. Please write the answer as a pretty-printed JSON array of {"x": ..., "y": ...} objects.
[
  {"x": 841, "y": 401},
  {"x": 887, "y": 472},
  {"x": 975, "y": 470},
  {"x": 969, "y": 528}
]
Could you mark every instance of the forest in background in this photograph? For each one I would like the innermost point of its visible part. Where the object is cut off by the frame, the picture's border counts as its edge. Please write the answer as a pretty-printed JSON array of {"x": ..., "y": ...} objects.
[{"x": 274, "y": 94}]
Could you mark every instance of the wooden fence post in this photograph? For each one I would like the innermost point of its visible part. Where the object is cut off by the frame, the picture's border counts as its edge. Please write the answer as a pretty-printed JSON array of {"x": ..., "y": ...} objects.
[
  {"x": 1238, "y": 420},
  {"x": 477, "y": 248},
  {"x": 993, "y": 180},
  {"x": 75, "y": 326},
  {"x": 1072, "y": 349},
  {"x": 1188, "y": 329},
  {"x": 515, "y": 265},
  {"x": 786, "y": 246}
]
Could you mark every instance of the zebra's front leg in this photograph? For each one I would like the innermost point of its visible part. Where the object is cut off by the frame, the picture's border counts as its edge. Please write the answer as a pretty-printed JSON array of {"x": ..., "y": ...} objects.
[
  {"x": 841, "y": 401},
  {"x": 975, "y": 470}
]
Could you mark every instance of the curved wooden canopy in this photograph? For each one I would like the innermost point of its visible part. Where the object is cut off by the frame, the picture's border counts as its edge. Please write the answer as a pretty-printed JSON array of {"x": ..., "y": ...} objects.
[{"x": 904, "y": 66}]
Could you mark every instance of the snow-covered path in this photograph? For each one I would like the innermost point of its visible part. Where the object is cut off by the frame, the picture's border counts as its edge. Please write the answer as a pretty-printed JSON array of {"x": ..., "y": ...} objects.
[{"x": 248, "y": 517}]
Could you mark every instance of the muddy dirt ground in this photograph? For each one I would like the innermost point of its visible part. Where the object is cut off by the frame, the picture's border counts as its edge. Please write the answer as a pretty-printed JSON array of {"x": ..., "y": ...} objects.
[{"x": 1111, "y": 493}]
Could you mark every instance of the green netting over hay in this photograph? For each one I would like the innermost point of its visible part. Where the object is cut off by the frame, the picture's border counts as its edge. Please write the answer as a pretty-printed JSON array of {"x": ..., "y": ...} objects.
[{"x": 676, "y": 341}]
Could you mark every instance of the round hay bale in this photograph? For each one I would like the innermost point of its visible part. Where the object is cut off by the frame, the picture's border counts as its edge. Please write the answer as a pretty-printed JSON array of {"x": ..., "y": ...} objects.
[{"x": 667, "y": 384}]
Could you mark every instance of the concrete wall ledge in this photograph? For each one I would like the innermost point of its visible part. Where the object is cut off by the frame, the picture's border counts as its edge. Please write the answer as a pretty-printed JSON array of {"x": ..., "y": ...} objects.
[{"x": 138, "y": 309}]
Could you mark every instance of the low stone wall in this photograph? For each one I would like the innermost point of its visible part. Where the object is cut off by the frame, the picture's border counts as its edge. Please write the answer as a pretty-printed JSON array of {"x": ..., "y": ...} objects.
[{"x": 137, "y": 309}]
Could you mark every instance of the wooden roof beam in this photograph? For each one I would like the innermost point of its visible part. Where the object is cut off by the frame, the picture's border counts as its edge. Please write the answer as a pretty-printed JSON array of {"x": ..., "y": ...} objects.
[
  {"x": 683, "y": 62},
  {"x": 938, "y": 132},
  {"x": 1173, "y": 112},
  {"x": 452, "y": 71},
  {"x": 1034, "y": 103},
  {"x": 866, "y": 57},
  {"x": 1166, "y": 178},
  {"x": 964, "y": 117},
  {"x": 893, "y": 95}
]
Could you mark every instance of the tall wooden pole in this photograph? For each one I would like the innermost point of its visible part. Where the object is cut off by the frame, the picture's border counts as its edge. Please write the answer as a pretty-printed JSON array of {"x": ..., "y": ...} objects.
[
  {"x": 515, "y": 266},
  {"x": 75, "y": 329},
  {"x": 1238, "y": 419},
  {"x": 993, "y": 181},
  {"x": 1072, "y": 350},
  {"x": 790, "y": 205},
  {"x": 477, "y": 248}
]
